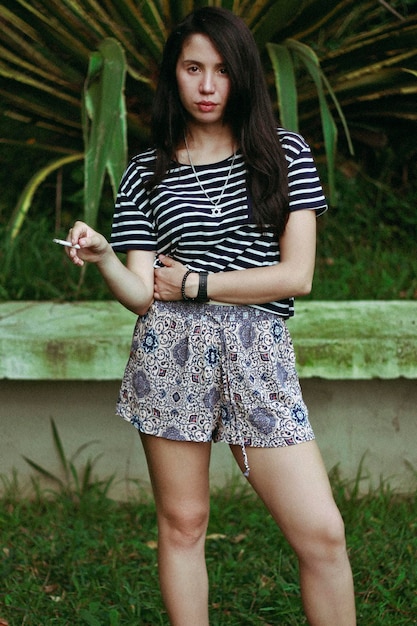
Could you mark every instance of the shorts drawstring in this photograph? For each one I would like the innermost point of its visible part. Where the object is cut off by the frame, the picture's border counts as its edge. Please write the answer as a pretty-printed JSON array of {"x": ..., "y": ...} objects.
[
  {"x": 242, "y": 440},
  {"x": 245, "y": 459}
]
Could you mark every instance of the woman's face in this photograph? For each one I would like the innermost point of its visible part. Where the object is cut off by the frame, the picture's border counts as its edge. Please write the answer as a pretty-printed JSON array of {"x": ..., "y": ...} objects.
[{"x": 203, "y": 81}]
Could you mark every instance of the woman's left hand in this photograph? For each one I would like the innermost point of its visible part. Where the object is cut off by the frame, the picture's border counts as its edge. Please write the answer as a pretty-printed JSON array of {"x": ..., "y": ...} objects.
[{"x": 168, "y": 279}]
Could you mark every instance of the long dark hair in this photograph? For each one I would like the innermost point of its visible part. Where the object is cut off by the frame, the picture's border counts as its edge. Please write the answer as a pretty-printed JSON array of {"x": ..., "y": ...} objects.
[{"x": 248, "y": 112}]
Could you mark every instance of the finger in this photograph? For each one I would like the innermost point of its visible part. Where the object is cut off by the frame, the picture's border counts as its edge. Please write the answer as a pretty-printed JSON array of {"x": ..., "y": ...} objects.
[
  {"x": 90, "y": 241},
  {"x": 70, "y": 238},
  {"x": 159, "y": 273},
  {"x": 75, "y": 258},
  {"x": 79, "y": 230},
  {"x": 166, "y": 260}
]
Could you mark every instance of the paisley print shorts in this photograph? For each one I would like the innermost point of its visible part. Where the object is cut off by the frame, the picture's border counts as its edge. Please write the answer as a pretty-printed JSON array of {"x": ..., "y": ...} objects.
[{"x": 207, "y": 372}]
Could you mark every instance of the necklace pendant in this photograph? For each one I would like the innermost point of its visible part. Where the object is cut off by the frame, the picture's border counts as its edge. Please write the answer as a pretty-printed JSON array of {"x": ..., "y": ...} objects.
[{"x": 215, "y": 209}]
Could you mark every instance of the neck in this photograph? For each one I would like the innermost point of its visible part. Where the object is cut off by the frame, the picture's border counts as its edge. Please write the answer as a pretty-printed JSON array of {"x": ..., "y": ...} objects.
[
  {"x": 208, "y": 133},
  {"x": 207, "y": 145}
]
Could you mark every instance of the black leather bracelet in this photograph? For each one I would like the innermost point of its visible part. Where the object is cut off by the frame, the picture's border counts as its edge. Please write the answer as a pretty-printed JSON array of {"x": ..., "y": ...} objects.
[
  {"x": 202, "y": 287},
  {"x": 184, "y": 278}
]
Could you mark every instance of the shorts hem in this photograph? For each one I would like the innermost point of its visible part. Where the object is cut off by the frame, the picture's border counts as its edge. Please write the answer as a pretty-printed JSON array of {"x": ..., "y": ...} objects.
[{"x": 282, "y": 443}]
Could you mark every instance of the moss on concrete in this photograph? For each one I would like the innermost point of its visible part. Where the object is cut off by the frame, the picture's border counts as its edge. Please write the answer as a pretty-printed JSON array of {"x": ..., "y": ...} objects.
[
  {"x": 70, "y": 341},
  {"x": 91, "y": 340},
  {"x": 356, "y": 339}
]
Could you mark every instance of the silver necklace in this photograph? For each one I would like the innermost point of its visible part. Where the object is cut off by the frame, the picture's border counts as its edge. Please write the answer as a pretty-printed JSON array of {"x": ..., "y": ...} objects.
[{"x": 216, "y": 210}]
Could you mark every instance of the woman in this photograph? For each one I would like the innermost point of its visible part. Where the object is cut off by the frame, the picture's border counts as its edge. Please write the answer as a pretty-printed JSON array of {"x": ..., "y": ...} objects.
[{"x": 218, "y": 222}]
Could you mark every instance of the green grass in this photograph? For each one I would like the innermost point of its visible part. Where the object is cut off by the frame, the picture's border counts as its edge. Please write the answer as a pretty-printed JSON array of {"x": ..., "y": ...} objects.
[
  {"x": 84, "y": 559},
  {"x": 365, "y": 244}
]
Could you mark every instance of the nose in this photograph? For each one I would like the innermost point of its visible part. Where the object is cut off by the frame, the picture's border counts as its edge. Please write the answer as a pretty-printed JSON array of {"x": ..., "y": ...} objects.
[{"x": 207, "y": 84}]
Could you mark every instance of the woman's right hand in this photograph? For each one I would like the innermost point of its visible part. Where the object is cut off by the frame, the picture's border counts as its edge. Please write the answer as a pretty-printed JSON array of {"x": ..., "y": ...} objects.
[{"x": 93, "y": 246}]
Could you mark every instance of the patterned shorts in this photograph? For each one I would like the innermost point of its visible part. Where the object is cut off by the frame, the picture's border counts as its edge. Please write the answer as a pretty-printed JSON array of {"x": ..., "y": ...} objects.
[{"x": 207, "y": 372}]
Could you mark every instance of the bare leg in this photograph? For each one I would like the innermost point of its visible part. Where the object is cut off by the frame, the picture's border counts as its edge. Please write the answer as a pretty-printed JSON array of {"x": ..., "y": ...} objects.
[
  {"x": 179, "y": 476},
  {"x": 294, "y": 485}
]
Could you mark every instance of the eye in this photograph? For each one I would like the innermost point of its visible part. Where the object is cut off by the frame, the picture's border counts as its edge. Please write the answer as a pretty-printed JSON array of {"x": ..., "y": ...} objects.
[
  {"x": 223, "y": 70},
  {"x": 192, "y": 69}
]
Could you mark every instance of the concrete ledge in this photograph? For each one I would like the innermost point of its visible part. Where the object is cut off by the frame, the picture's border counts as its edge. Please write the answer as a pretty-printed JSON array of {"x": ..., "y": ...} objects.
[
  {"x": 356, "y": 340},
  {"x": 69, "y": 341}
]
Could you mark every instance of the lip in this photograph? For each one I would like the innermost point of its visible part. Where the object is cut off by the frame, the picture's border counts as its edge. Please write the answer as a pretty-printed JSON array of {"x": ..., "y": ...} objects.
[{"x": 206, "y": 105}]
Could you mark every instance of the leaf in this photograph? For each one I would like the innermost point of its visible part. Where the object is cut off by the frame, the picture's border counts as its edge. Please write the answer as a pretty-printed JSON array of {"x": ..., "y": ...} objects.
[
  {"x": 114, "y": 617},
  {"x": 89, "y": 618},
  {"x": 87, "y": 476},
  {"x": 268, "y": 18},
  {"x": 104, "y": 124},
  {"x": 82, "y": 447},
  {"x": 315, "y": 14},
  {"x": 76, "y": 481},
  {"x": 312, "y": 65},
  {"x": 23, "y": 204},
  {"x": 215, "y": 537},
  {"x": 282, "y": 57},
  {"x": 59, "y": 447},
  {"x": 44, "y": 472},
  {"x": 283, "y": 66}
]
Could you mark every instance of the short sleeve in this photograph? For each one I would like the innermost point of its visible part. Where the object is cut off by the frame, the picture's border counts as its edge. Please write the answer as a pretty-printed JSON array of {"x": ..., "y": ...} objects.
[
  {"x": 133, "y": 226},
  {"x": 305, "y": 189}
]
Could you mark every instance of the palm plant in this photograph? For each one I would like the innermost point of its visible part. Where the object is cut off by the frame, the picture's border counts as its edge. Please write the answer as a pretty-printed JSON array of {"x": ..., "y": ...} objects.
[
  {"x": 349, "y": 64},
  {"x": 370, "y": 61}
]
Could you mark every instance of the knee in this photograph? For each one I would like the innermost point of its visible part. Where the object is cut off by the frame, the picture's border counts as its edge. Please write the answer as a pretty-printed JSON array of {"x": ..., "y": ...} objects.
[
  {"x": 325, "y": 540},
  {"x": 184, "y": 526},
  {"x": 333, "y": 538}
]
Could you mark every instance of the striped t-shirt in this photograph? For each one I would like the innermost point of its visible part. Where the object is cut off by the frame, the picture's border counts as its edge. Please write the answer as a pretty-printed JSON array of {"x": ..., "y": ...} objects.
[{"x": 176, "y": 218}]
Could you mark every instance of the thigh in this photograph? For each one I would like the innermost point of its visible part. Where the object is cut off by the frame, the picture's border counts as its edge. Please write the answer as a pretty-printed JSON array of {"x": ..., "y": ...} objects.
[
  {"x": 293, "y": 483},
  {"x": 179, "y": 473}
]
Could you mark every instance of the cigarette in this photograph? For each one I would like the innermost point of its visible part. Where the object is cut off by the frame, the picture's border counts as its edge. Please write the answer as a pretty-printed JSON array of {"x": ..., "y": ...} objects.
[{"x": 68, "y": 244}]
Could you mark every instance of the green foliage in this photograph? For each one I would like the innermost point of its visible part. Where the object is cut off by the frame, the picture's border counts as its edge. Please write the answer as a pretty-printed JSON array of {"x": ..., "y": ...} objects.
[
  {"x": 366, "y": 51},
  {"x": 26, "y": 197},
  {"x": 375, "y": 83},
  {"x": 365, "y": 242},
  {"x": 104, "y": 133},
  {"x": 104, "y": 124},
  {"x": 95, "y": 563},
  {"x": 74, "y": 483},
  {"x": 283, "y": 57},
  {"x": 339, "y": 66}
]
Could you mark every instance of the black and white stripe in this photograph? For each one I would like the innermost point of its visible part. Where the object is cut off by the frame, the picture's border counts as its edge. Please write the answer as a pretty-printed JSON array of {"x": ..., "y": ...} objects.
[{"x": 176, "y": 217}]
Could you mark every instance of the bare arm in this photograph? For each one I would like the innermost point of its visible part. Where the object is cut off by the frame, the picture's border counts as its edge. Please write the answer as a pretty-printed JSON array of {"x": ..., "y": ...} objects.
[
  {"x": 292, "y": 276},
  {"x": 131, "y": 284}
]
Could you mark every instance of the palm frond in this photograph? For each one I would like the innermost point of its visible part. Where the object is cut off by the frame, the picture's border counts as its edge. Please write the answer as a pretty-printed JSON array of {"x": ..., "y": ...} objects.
[{"x": 334, "y": 64}]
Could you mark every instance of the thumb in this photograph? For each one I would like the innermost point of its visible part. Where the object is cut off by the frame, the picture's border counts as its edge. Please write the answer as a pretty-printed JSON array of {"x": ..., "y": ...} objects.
[
  {"x": 167, "y": 261},
  {"x": 93, "y": 241}
]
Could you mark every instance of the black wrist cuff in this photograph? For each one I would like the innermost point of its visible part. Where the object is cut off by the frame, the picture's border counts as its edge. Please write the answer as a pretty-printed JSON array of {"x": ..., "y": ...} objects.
[{"x": 202, "y": 287}]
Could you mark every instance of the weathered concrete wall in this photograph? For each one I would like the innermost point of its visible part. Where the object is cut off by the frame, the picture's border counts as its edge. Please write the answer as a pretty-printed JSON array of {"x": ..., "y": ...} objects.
[
  {"x": 90, "y": 340},
  {"x": 357, "y": 363},
  {"x": 375, "y": 418}
]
